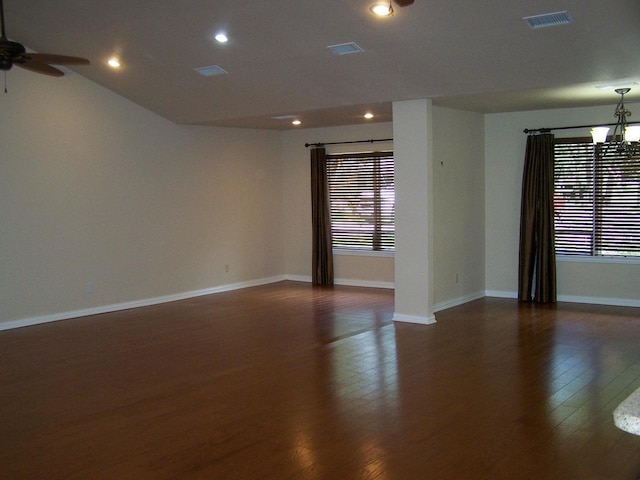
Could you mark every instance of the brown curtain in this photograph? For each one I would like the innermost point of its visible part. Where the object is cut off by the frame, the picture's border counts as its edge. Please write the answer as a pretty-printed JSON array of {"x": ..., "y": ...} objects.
[
  {"x": 537, "y": 261},
  {"x": 320, "y": 214}
]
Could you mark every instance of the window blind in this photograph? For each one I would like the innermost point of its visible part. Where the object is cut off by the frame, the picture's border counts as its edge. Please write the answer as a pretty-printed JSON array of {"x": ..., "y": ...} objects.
[
  {"x": 596, "y": 200},
  {"x": 362, "y": 200}
]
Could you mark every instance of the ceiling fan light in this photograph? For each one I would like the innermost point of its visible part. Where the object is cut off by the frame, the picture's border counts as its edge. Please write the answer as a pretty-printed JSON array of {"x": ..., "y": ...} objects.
[
  {"x": 599, "y": 134},
  {"x": 381, "y": 9},
  {"x": 632, "y": 133}
]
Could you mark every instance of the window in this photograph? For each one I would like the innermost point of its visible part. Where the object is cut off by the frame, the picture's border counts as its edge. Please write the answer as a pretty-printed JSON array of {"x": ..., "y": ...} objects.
[
  {"x": 362, "y": 198},
  {"x": 596, "y": 200}
]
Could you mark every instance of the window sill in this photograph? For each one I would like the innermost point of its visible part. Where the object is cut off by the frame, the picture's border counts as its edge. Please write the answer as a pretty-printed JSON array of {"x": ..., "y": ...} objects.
[
  {"x": 587, "y": 259},
  {"x": 362, "y": 253}
]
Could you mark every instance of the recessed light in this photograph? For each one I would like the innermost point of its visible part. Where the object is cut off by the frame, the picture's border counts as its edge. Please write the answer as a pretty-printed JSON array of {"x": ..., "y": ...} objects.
[
  {"x": 368, "y": 115},
  {"x": 113, "y": 62},
  {"x": 221, "y": 38},
  {"x": 382, "y": 9},
  {"x": 296, "y": 122}
]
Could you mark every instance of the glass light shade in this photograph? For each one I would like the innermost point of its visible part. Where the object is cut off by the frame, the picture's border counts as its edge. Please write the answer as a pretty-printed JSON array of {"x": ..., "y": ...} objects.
[
  {"x": 632, "y": 133},
  {"x": 599, "y": 134}
]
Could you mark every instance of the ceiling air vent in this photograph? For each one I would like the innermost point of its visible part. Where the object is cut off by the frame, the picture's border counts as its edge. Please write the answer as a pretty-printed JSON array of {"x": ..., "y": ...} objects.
[
  {"x": 548, "y": 20},
  {"x": 210, "y": 71},
  {"x": 345, "y": 48}
]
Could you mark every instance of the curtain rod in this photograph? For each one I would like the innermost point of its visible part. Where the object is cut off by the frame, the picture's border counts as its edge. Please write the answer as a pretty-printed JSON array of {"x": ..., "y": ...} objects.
[
  {"x": 346, "y": 143},
  {"x": 547, "y": 130}
]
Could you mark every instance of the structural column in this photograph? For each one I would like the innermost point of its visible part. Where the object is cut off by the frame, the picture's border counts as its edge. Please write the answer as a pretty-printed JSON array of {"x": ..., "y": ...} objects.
[{"x": 413, "y": 154}]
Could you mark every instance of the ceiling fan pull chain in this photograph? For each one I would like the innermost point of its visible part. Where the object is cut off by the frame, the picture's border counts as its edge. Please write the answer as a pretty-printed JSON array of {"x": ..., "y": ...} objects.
[{"x": 5, "y": 81}]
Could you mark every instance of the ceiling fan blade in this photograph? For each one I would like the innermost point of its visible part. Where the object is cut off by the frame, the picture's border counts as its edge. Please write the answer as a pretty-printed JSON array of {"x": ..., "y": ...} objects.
[
  {"x": 41, "y": 68},
  {"x": 50, "y": 58},
  {"x": 404, "y": 3}
]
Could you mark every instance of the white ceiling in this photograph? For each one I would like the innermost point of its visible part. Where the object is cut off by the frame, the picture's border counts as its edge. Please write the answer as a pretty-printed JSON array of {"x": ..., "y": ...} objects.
[{"x": 470, "y": 54}]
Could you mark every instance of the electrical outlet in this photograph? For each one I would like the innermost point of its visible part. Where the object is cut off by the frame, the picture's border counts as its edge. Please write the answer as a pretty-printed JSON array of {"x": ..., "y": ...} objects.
[
  {"x": 226, "y": 268},
  {"x": 90, "y": 287},
  {"x": 457, "y": 278}
]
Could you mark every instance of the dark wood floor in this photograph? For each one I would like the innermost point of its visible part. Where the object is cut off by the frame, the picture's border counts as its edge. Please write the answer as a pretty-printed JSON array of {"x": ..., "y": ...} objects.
[{"x": 290, "y": 382}]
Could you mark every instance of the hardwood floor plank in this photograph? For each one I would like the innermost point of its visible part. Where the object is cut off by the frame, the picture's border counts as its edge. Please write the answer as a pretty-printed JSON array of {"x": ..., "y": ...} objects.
[{"x": 287, "y": 381}]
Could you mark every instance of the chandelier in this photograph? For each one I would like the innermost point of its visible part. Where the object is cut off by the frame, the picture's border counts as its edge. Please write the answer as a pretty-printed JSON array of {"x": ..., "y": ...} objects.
[{"x": 626, "y": 138}]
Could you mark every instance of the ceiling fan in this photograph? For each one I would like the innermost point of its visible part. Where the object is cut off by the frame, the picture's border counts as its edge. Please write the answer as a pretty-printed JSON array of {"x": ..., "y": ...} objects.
[
  {"x": 404, "y": 3},
  {"x": 14, "y": 53}
]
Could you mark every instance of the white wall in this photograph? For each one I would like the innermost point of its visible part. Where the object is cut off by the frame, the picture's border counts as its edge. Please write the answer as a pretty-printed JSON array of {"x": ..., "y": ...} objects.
[
  {"x": 458, "y": 213},
  {"x": 609, "y": 283},
  {"x": 98, "y": 193},
  {"x": 363, "y": 270}
]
